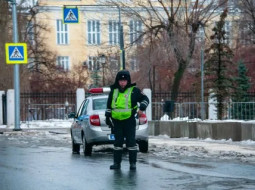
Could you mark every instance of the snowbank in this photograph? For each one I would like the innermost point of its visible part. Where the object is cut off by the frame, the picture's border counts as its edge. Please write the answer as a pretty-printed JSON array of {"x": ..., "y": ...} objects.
[{"x": 164, "y": 146}]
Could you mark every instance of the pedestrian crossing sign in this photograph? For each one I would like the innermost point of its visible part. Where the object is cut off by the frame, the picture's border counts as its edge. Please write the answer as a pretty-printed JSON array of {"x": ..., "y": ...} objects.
[
  {"x": 16, "y": 53},
  {"x": 71, "y": 15}
]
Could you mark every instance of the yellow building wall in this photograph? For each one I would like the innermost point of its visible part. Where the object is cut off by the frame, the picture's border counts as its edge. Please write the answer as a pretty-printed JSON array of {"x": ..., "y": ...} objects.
[
  {"x": 75, "y": 47},
  {"x": 78, "y": 48}
]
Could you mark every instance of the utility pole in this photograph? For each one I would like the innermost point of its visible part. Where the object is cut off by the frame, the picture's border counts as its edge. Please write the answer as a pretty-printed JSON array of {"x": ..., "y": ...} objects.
[
  {"x": 16, "y": 69},
  {"x": 202, "y": 79}
]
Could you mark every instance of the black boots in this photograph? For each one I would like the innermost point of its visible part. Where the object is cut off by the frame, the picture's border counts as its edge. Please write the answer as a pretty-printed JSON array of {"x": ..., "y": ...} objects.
[
  {"x": 115, "y": 166},
  {"x": 117, "y": 156},
  {"x": 132, "y": 159}
]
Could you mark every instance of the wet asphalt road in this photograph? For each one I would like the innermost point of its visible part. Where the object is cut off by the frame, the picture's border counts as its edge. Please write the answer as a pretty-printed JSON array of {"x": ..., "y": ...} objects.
[{"x": 42, "y": 161}]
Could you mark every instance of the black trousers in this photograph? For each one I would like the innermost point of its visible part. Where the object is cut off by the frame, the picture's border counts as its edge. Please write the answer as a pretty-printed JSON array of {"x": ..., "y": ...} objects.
[{"x": 125, "y": 129}]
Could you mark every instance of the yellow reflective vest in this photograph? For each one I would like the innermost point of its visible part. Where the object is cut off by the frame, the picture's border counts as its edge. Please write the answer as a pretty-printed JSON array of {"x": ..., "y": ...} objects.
[{"x": 121, "y": 104}]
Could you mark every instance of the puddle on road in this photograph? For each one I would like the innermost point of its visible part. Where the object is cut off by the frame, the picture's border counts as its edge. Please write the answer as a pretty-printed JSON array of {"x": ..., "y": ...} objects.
[
  {"x": 213, "y": 169},
  {"x": 194, "y": 165}
]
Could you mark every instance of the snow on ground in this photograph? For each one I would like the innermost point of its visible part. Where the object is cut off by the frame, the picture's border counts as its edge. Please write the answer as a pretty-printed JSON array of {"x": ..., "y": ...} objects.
[
  {"x": 161, "y": 146},
  {"x": 165, "y": 117},
  {"x": 51, "y": 123},
  {"x": 164, "y": 146}
]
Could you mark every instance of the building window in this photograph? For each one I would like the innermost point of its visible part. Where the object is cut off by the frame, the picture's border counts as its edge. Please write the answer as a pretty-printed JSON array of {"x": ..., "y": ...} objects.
[
  {"x": 135, "y": 31},
  {"x": 63, "y": 62},
  {"x": 114, "y": 64},
  {"x": 113, "y": 32},
  {"x": 94, "y": 32},
  {"x": 227, "y": 28},
  {"x": 200, "y": 34},
  {"x": 92, "y": 63},
  {"x": 247, "y": 36},
  {"x": 62, "y": 33},
  {"x": 197, "y": 5},
  {"x": 31, "y": 64},
  {"x": 31, "y": 33},
  {"x": 134, "y": 65}
]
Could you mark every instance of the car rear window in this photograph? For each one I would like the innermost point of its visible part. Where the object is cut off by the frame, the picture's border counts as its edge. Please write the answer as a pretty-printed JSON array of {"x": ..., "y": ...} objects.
[{"x": 99, "y": 104}]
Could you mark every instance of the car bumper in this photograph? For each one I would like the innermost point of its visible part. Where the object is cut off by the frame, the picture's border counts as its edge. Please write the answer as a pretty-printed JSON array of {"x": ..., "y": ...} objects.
[{"x": 101, "y": 137}]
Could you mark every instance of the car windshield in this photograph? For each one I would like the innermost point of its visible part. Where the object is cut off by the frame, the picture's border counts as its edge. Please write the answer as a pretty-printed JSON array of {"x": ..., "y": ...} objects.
[{"x": 99, "y": 104}]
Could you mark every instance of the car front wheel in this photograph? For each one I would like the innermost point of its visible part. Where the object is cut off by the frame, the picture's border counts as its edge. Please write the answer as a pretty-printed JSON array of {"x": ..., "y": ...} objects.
[
  {"x": 143, "y": 146},
  {"x": 87, "y": 148}
]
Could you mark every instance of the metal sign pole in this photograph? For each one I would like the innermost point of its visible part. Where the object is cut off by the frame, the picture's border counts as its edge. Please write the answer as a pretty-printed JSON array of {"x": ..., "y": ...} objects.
[
  {"x": 202, "y": 80},
  {"x": 16, "y": 69},
  {"x": 121, "y": 42}
]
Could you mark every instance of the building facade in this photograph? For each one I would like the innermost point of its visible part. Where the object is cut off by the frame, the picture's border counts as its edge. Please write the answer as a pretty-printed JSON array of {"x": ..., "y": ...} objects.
[{"x": 98, "y": 33}]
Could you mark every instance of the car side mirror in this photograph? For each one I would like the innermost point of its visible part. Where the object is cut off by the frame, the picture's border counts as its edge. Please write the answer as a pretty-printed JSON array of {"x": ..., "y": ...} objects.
[{"x": 71, "y": 115}]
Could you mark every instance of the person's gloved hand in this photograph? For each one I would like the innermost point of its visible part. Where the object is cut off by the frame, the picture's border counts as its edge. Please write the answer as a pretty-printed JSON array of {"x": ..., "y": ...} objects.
[
  {"x": 142, "y": 107},
  {"x": 107, "y": 113},
  {"x": 107, "y": 118},
  {"x": 108, "y": 121}
]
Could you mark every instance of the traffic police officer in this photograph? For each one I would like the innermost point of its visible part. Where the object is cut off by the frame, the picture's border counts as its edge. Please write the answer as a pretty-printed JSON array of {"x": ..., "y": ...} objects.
[{"x": 121, "y": 109}]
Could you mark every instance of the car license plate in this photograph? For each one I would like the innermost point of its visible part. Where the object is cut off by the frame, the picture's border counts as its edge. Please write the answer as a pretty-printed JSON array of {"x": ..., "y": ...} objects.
[{"x": 111, "y": 137}]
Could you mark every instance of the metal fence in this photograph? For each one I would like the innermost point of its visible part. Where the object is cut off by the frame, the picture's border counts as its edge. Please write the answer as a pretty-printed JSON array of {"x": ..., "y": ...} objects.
[
  {"x": 241, "y": 110},
  {"x": 192, "y": 110},
  {"x": 47, "y": 111},
  {"x": 159, "y": 99},
  {"x": 42, "y": 106},
  {"x": 180, "y": 110},
  {"x": 182, "y": 97}
]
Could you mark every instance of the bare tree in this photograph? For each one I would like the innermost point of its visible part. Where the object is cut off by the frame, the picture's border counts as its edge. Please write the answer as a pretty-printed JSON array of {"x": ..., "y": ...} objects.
[
  {"x": 179, "y": 20},
  {"x": 28, "y": 32},
  {"x": 6, "y": 71},
  {"x": 42, "y": 73},
  {"x": 106, "y": 71},
  {"x": 42, "y": 61},
  {"x": 248, "y": 21},
  {"x": 61, "y": 81},
  {"x": 156, "y": 65}
]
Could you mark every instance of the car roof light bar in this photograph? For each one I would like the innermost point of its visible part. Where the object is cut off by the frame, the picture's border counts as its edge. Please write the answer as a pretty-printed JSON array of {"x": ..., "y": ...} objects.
[{"x": 99, "y": 90}]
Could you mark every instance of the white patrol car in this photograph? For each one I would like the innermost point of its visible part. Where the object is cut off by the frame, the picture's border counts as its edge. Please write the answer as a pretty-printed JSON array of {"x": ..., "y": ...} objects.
[{"x": 89, "y": 127}]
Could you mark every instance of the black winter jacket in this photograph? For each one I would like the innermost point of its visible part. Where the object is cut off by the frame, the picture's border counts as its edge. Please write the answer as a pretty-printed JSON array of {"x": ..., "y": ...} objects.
[{"x": 136, "y": 96}]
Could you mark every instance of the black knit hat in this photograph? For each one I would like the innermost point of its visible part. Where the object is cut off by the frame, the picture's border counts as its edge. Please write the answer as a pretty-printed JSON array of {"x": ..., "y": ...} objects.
[{"x": 123, "y": 74}]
